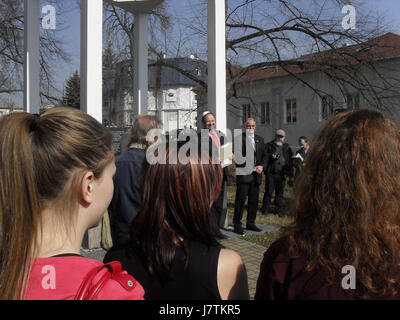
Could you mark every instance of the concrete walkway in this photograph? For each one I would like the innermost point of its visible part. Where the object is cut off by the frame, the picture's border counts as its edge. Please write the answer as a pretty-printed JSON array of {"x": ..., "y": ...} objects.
[{"x": 252, "y": 254}]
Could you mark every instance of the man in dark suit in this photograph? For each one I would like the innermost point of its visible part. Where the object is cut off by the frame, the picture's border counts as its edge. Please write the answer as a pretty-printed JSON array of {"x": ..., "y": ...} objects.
[
  {"x": 300, "y": 157},
  {"x": 214, "y": 140},
  {"x": 279, "y": 167},
  {"x": 248, "y": 183}
]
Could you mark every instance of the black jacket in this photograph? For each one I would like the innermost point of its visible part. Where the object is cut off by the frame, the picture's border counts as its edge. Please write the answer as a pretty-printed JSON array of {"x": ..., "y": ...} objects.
[
  {"x": 125, "y": 203},
  {"x": 271, "y": 148},
  {"x": 260, "y": 159}
]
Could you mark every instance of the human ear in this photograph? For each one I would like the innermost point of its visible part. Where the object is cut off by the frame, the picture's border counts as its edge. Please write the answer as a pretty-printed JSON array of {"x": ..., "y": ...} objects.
[{"x": 87, "y": 185}]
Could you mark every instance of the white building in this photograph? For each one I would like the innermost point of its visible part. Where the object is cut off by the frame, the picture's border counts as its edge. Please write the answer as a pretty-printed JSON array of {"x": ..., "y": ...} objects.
[
  {"x": 300, "y": 98},
  {"x": 170, "y": 94}
]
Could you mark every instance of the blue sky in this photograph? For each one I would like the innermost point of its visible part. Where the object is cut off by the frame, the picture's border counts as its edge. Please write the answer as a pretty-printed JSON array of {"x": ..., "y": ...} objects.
[{"x": 389, "y": 9}]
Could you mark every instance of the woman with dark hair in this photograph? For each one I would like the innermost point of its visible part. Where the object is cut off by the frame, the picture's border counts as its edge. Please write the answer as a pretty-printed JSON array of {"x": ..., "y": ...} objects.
[
  {"x": 172, "y": 250},
  {"x": 344, "y": 242}
]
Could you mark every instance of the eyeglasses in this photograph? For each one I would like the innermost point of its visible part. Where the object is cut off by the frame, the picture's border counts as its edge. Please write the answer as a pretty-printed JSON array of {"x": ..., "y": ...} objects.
[{"x": 279, "y": 136}]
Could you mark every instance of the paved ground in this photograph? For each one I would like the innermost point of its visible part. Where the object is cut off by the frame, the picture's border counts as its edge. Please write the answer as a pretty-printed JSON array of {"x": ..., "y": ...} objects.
[{"x": 251, "y": 253}]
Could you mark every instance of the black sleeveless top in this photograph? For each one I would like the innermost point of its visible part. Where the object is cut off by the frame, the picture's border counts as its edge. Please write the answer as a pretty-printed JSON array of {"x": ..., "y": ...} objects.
[{"x": 195, "y": 281}]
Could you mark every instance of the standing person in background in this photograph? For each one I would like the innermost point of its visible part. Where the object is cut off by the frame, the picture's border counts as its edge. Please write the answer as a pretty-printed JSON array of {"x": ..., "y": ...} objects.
[
  {"x": 279, "y": 167},
  {"x": 247, "y": 186},
  {"x": 304, "y": 147},
  {"x": 215, "y": 140},
  {"x": 56, "y": 182},
  {"x": 126, "y": 198},
  {"x": 172, "y": 248},
  {"x": 344, "y": 242},
  {"x": 300, "y": 157},
  {"x": 124, "y": 142}
]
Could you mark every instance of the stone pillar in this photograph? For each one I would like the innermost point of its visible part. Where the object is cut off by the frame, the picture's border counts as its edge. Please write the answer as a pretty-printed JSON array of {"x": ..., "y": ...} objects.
[
  {"x": 31, "y": 56},
  {"x": 140, "y": 83},
  {"x": 217, "y": 61}
]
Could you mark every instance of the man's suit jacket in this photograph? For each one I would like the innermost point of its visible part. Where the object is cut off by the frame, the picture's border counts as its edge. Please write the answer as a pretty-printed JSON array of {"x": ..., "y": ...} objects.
[
  {"x": 260, "y": 159},
  {"x": 302, "y": 152}
]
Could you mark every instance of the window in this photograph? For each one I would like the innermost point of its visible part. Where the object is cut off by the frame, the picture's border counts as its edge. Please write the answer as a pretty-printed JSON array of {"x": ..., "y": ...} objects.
[
  {"x": 265, "y": 113},
  {"x": 327, "y": 107},
  {"x": 245, "y": 112},
  {"x": 291, "y": 113},
  {"x": 170, "y": 96},
  {"x": 353, "y": 100}
]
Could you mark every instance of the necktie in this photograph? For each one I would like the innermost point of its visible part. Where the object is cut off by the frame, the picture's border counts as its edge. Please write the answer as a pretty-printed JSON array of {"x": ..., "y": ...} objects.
[
  {"x": 252, "y": 141},
  {"x": 215, "y": 138}
]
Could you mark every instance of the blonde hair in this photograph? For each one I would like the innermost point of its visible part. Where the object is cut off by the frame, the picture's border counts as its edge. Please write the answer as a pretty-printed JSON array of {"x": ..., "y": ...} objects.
[{"x": 42, "y": 160}]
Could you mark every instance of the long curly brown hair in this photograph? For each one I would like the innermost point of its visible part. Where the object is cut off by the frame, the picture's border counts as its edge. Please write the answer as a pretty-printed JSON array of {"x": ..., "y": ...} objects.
[{"x": 347, "y": 203}]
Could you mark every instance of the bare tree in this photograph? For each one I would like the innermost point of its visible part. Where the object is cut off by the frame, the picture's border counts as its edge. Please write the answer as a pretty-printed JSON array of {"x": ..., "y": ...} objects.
[
  {"x": 290, "y": 35},
  {"x": 293, "y": 35},
  {"x": 296, "y": 34},
  {"x": 52, "y": 50}
]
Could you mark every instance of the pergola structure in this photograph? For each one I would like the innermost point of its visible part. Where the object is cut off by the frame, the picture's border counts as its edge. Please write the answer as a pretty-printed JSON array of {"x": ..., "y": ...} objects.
[
  {"x": 91, "y": 62},
  {"x": 91, "y": 56}
]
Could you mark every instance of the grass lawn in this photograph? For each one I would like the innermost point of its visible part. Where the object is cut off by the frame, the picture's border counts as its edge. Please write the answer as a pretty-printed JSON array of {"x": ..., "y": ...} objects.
[{"x": 266, "y": 238}]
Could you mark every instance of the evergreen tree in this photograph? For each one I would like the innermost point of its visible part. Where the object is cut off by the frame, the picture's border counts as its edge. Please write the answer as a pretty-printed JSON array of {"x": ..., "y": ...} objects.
[
  {"x": 109, "y": 57},
  {"x": 72, "y": 92}
]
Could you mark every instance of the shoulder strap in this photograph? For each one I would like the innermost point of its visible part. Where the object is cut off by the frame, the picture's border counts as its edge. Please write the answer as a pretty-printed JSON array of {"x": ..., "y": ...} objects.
[{"x": 89, "y": 290}]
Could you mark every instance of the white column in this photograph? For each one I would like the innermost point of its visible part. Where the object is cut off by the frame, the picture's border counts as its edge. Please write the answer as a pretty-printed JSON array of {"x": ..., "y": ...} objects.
[
  {"x": 31, "y": 57},
  {"x": 91, "y": 79},
  {"x": 217, "y": 61},
  {"x": 91, "y": 57},
  {"x": 140, "y": 83}
]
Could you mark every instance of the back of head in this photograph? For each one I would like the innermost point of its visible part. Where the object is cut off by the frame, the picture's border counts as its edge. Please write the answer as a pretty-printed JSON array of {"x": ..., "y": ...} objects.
[
  {"x": 42, "y": 160},
  {"x": 176, "y": 199},
  {"x": 347, "y": 205},
  {"x": 142, "y": 124}
]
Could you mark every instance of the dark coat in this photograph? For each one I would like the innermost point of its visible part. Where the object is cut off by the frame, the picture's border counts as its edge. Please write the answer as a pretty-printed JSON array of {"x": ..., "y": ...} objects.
[
  {"x": 302, "y": 152},
  {"x": 125, "y": 203},
  {"x": 271, "y": 148},
  {"x": 260, "y": 159},
  {"x": 282, "y": 277}
]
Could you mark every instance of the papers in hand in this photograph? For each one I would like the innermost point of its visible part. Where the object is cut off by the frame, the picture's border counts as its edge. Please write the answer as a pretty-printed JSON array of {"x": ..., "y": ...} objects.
[
  {"x": 298, "y": 156},
  {"x": 225, "y": 154}
]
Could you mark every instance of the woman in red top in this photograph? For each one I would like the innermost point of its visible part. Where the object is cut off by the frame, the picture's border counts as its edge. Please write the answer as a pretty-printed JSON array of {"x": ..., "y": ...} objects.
[
  {"x": 56, "y": 182},
  {"x": 344, "y": 242}
]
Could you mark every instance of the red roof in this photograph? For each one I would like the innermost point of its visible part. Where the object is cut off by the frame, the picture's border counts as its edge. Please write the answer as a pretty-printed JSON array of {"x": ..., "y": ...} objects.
[{"x": 386, "y": 46}]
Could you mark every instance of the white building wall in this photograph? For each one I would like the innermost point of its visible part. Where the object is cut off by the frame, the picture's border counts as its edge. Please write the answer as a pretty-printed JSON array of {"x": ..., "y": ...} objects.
[
  {"x": 176, "y": 107},
  {"x": 308, "y": 103}
]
